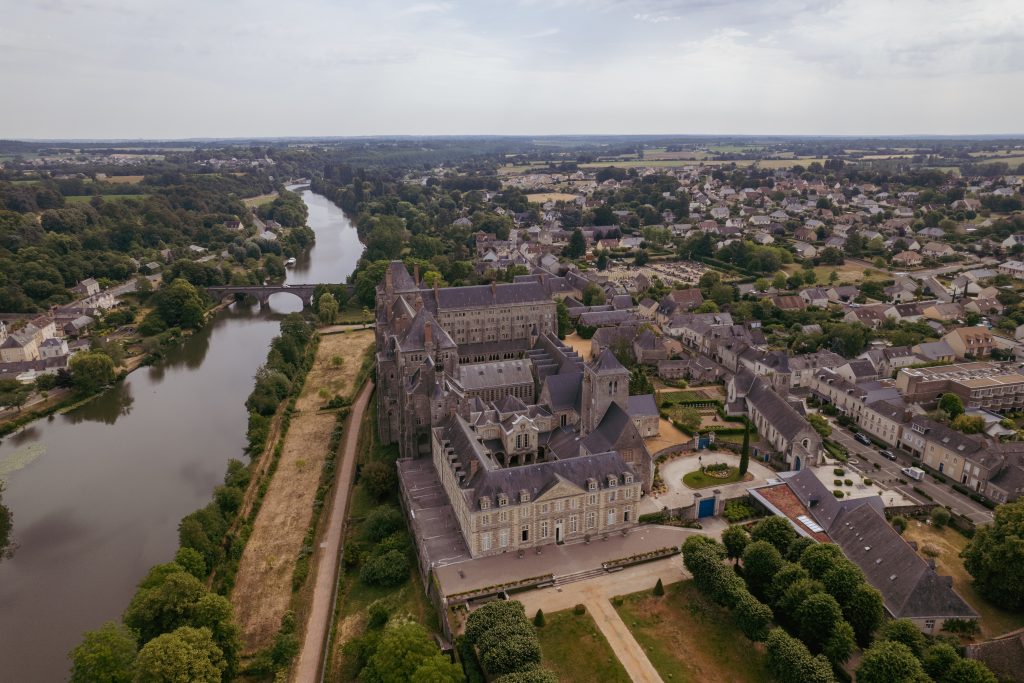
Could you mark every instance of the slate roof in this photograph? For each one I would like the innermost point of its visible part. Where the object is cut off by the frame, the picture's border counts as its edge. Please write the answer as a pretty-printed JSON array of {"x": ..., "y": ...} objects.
[
  {"x": 400, "y": 278},
  {"x": 608, "y": 364},
  {"x": 775, "y": 409},
  {"x": 563, "y": 391},
  {"x": 642, "y": 406},
  {"x": 495, "y": 374},
  {"x": 415, "y": 336}
]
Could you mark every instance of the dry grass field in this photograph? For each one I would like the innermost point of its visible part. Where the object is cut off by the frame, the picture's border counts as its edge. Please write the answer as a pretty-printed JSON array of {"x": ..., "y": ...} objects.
[
  {"x": 263, "y": 587},
  {"x": 124, "y": 179},
  {"x": 543, "y": 197},
  {"x": 260, "y": 200}
]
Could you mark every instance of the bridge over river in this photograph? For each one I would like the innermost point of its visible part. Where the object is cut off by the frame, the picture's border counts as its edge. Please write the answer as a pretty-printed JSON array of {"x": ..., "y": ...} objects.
[{"x": 262, "y": 293}]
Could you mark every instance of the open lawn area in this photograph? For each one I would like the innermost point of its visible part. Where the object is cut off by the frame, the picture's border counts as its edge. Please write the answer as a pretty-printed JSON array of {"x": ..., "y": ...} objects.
[
  {"x": 84, "y": 199},
  {"x": 576, "y": 650},
  {"x": 848, "y": 273},
  {"x": 702, "y": 480},
  {"x": 690, "y": 639},
  {"x": 948, "y": 543}
]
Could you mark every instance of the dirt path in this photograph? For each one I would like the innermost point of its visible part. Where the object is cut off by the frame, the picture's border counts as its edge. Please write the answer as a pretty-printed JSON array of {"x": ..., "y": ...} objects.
[
  {"x": 327, "y": 556},
  {"x": 263, "y": 585}
]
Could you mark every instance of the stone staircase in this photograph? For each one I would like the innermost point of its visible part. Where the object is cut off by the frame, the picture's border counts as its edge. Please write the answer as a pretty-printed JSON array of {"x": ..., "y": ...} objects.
[{"x": 578, "y": 576}]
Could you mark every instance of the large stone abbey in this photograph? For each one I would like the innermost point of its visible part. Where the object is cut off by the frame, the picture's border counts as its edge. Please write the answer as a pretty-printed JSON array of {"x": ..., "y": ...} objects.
[{"x": 531, "y": 444}]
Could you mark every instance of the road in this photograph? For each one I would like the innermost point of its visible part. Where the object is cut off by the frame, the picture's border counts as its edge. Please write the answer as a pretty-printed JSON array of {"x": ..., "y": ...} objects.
[
  {"x": 328, "y": 556},
  {"x": 889, "y": 475}
]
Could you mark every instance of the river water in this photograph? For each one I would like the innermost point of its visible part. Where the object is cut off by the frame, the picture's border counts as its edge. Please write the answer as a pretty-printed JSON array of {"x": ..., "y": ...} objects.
[{"x": 97, "y": 493}]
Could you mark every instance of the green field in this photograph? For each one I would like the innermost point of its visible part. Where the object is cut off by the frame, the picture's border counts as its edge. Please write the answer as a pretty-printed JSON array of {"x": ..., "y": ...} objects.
[
  {"x": 576, "y": 650},
  {"x": 688, "y": 638},
  {"x": 83, "y": 199},
  {"x": 700, "y": 480},
  {"x": 663, "y": 163}
]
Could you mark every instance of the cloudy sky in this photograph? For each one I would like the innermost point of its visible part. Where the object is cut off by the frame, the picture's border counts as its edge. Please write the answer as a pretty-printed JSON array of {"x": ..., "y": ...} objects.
[{"x": 226, "y": 68}]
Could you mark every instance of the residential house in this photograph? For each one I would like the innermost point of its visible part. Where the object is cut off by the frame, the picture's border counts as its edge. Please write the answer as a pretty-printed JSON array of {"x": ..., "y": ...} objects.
[
  {"x": 975, "y": 342},
  {"x": 937, "y": 250},
  {"x": 815, "y": 296},
  {"x": 805, "y": 250},
  {"x": 86, "y": 287}
]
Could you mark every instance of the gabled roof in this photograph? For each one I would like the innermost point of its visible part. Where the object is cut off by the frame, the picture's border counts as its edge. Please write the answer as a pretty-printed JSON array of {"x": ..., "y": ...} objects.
[
  {"x": 608, "y": 364},
  {"x": 415, "y": 336}
]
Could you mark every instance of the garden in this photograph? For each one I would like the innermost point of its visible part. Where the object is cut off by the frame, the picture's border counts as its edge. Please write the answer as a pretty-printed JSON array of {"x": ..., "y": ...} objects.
[{"x": 717, "y": 474}]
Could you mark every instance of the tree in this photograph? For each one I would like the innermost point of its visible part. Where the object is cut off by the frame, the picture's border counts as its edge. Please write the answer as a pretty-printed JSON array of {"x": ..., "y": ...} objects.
[
  {"x": 387, "y": 569},
  {"x": 817, "y": 617},
  {"x": 968, "y": 671},
  {"x": 538, "y": 619},
  {"x": 864, "y": 610},
  {"x": 577, "y": 246},
  {"x": 761, "y": 561},
  {"x": 745, "y": 449},
  {"x": 105, "y": 655},
  {"x": 842, "y": 580},
  {"x": 192, "y": 562},
  {"x": 14, "y": 394},
  {"x": 752, "y": 616},
  {"x": 490, "y": 615},
  {"x": 403, "y": 649},
  {"x": 379, "y": 478},
  {"x": 939, "y": 659},
  {"x": 952, "y": 405},
  {"x": 905, "y": 632},
  {"x": 6, "y": 524},
  {"x": 529, "y": 676},
  {"x": 564, "y": 322},
  {"x": 91, "y": 371},
  {"x": 185, "y": 654},
  {"x": 995, "y": 557},
  {"x": 888, "y": 661},
  {"x": 165, "y": 600},
  {"x": 179, "y": 304},
  {"x": 819, "y": 558},
  {"x": 593, "y": 295},
  {"x": 820, "y": 424},
  {"x": 511, "y": 654},
  {"x": 789, "y": 574},
  {"x": 639, "y": 382},
  {"x": 969, "y": 424},
  {"x": 840, "y": 644},
  {"x": 735, "y": 539},
  {"x": 791, "y": 662},
  {"x": 381, "y": 522},
  {"x": 775, "y": 530},
  {"x": 327, "y": 309}
]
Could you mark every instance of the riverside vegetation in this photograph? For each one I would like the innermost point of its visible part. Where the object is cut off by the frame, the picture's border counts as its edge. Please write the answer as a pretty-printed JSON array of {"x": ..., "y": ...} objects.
[{"x": 179, "y": 625}]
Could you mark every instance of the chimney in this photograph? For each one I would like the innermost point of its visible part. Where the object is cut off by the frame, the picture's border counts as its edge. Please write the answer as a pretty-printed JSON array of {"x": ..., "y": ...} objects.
[
  {"x": 389, "y": 283},
  {"x": 472, "y": 467},
  {"x": 428, "y": 334},
  {"x": 419, "y": 303},
  {"x": 494, "y": 289},
  {"x": 416, "y": 273},
  {"x": 437, "y": 295}
]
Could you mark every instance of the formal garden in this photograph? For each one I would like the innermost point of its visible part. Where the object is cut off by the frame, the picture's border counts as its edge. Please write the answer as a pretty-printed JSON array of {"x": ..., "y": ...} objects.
[{"x": 716, "y": 474}]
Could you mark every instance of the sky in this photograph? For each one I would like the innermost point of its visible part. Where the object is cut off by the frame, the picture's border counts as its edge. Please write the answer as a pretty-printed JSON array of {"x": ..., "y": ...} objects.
[{"x": 251, "y": 68}]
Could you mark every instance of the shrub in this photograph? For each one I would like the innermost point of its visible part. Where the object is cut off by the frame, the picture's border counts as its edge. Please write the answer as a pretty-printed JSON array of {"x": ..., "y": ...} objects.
[
  {"x": 579, "y": 609},
  {"x": 867, "y": 482},
  {"x": 659, "y": 588},
  {"x": 488, "y": 616},
  {"x": 837, "y": 482},
  {"x": 839, "y": 472},
  {"x": 848, "y": 482},
  {"x": 387, "y": 569},
  {"x": 838, "y": 494},
  {"x": 737, "y": 511},
  {"x": 899, "y": 523},
  {"x": 940, "y": 517},
  {"x": 381, "y": 522},
  {"x": 753, "y": 617},
  {"x": 538, "y": 620}
]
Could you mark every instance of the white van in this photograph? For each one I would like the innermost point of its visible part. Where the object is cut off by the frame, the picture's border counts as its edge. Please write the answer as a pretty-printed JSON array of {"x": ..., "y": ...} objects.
[{"x": 915, "y": 473}]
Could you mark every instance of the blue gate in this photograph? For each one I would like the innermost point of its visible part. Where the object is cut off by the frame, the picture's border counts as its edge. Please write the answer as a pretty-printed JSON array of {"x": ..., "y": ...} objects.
[
  {"x": 707, "y": 508},
  {"x": 704, "y": 441}
]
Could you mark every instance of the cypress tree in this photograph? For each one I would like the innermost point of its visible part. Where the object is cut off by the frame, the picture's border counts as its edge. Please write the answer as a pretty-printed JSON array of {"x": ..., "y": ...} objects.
[
  {"x": 538, "y": 620},
  {"x": 745, "y": 450},
  {"x": 659, "y": 589}
]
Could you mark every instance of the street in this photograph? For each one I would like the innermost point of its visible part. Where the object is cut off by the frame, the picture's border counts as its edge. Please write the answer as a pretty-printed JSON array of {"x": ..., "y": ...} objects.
[{"x": 889, "y": 474}]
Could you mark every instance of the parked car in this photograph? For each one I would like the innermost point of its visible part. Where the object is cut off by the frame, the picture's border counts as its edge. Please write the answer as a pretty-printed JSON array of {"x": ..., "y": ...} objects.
[
  {"x": 889, "y": 455},
  {"x": 862, "y": 438}
]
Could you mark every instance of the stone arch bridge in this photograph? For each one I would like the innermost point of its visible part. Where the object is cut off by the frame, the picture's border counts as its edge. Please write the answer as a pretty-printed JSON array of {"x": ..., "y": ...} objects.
[{"x": 262, "y": 293}]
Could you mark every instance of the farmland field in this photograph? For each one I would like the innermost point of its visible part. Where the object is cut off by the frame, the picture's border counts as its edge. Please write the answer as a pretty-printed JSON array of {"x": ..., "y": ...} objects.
[
  {"x": 124, "y": 179},
  {"x": 260, "y": 200}
]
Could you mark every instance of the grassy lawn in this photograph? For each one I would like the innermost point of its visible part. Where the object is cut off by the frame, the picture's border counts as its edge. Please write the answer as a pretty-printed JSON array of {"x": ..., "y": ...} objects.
[
  {"x": 575, "y": 649},
  {"x": 948, "y": 543},
  {"x": 700, "y": 480},
  {"x": 550, "y": 197},
  {"x": 689, "y": 638},
  {"x": 674, "y": 396}
]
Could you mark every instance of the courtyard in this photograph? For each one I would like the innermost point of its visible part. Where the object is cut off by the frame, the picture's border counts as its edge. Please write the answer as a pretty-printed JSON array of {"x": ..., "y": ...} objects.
[{"x": 678, "y": 495}]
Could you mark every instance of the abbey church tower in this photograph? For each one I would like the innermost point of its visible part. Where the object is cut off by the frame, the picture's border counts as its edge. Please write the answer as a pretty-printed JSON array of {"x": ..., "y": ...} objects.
[{"x": 605, "y": 381}]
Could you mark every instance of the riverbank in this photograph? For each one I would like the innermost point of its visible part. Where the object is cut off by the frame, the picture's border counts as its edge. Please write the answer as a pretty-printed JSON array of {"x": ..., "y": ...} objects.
[{"x": 269, "y": 582}]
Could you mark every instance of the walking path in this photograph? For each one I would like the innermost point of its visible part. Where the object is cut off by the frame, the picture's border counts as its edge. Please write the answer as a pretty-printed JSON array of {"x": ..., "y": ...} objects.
[
  {"x": 322, "y": 608},
  {"x": 596, "y": 594}
]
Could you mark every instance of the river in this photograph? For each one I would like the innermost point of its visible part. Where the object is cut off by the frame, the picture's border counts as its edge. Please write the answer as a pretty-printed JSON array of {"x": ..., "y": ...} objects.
[{"x": 97, "y": 493}]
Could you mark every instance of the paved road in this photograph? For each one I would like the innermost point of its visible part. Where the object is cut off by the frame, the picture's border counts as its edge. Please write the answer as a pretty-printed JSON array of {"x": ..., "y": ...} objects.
[
  {"x": 327, "y": 557},
  {"x": 889, "y": 475}
]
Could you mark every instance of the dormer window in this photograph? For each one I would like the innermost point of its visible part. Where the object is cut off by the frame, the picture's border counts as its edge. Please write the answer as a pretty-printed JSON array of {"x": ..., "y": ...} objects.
[
  {"x": 524, "y": 496},
  {"x": 591, "y": 484},
  {"x": 627, "y": 478},
  {"x": 502, "y": 500},
  {"x": 485, "y": 503},
  {"x": 613, "y": 480}
]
